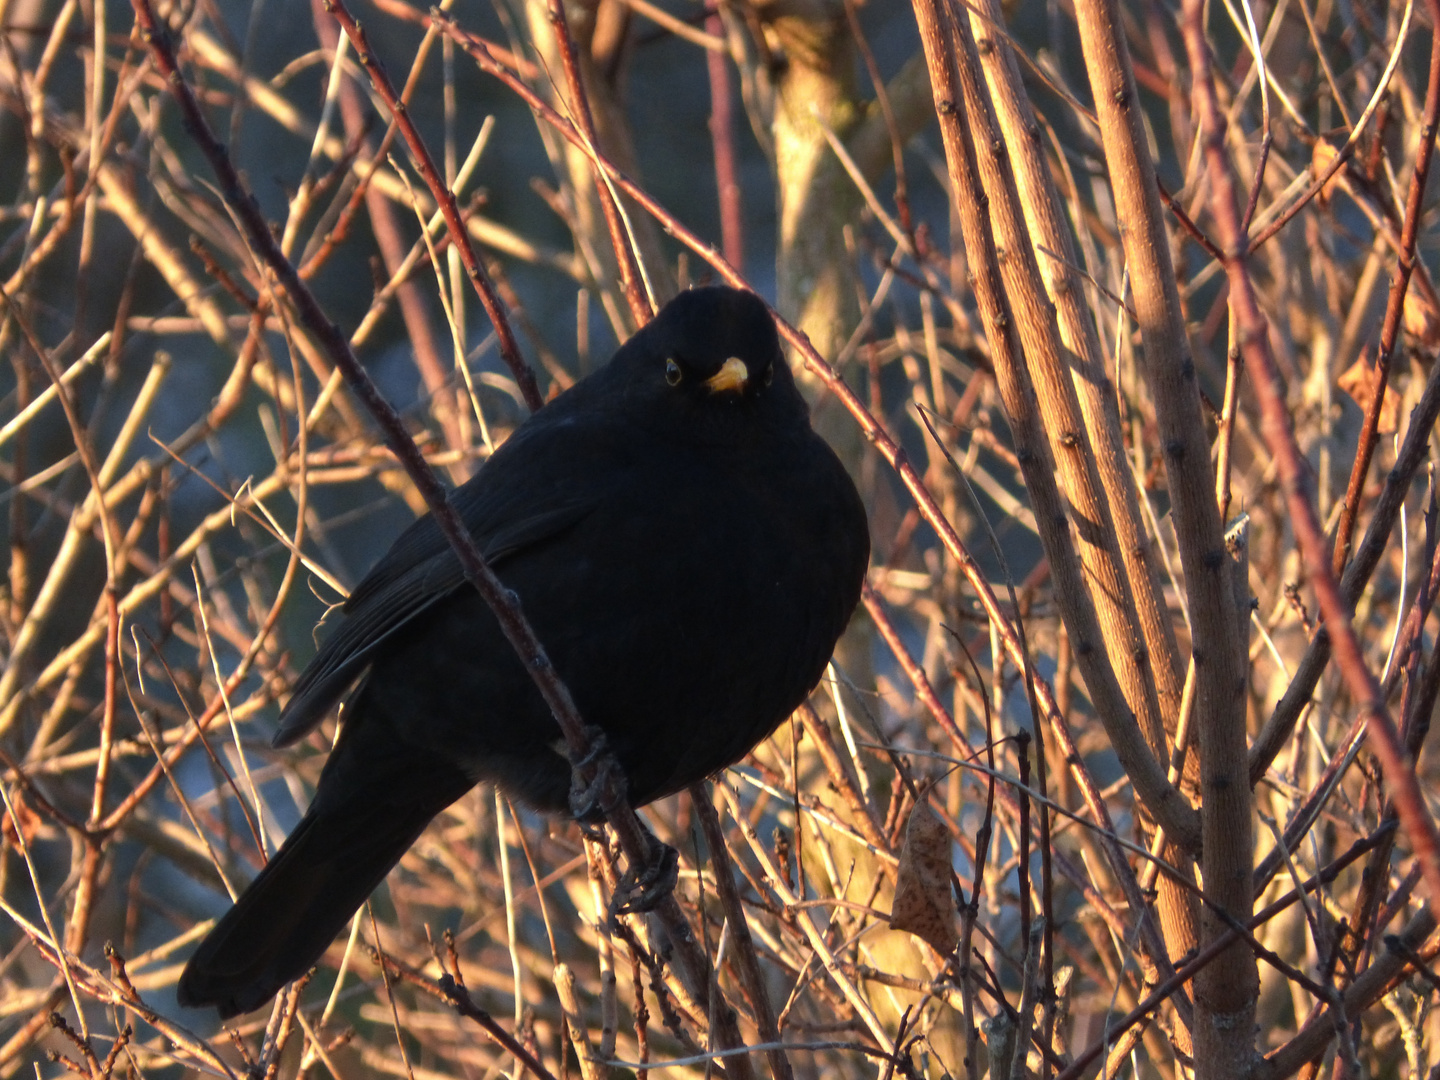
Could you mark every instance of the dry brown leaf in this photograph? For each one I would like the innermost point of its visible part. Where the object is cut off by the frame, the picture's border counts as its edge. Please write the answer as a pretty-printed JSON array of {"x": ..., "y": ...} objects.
[
  {"x": 923, "y": 903},
  {"x": 1321, "y": 158},
  {"x": 1356, "y": 380},
  {"x": 25, "y": 821},
  {"x": 1421, "y": 320}
]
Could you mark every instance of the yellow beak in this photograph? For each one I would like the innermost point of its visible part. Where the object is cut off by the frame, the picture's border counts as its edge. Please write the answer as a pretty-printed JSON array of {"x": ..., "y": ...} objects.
[{"x": 733, "y": 375}]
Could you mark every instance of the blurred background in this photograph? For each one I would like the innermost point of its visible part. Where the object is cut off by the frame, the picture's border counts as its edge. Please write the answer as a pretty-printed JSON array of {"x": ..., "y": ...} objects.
[{"x": 188, "y": 487}]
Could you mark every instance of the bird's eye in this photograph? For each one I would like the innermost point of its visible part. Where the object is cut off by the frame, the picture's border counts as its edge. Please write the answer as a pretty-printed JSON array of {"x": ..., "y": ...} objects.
[
  {"x": 769, "y": 375},
  {"x": 672, "y": 373}
]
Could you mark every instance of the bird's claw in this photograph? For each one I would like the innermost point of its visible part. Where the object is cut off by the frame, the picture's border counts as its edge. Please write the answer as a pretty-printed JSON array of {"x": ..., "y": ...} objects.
[
  {"x": 587, "y": 799},
  {"x": 642, "y": 888}
]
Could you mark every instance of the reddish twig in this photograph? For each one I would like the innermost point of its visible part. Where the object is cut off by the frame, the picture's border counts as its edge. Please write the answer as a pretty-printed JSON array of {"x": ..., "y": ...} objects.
[
  {"x": 1187, "y": 223},
  {"x": 445, "y": 199},
  {"x": 882, "y": 99},
  {"x": 744, "y": 944},
  {"x": 722, "y": 142},
  {"x": 1280, "y": 437},
  {"x": 913, "y": 671},
  {"x": 451, "y": 989},
  {"x": 1190, "y": 969},
  {"x": 625, "y": 256},
  {"x": 1394, "y": 309},
  {"x": 1414, "y": 451}
]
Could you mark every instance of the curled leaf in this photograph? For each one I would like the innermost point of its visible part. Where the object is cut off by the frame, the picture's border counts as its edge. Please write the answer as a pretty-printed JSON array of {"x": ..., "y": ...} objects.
[
  {"x": 924, "y": 905},
  {"x": 1358, "y": 380}
]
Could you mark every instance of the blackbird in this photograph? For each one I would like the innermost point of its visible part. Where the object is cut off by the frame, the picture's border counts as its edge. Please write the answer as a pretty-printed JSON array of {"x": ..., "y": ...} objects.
[{"x": 688, "y": 551}]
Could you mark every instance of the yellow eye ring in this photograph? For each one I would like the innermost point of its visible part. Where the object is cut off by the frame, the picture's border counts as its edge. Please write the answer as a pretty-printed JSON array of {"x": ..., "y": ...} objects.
[{"x": 672, "y": 373}]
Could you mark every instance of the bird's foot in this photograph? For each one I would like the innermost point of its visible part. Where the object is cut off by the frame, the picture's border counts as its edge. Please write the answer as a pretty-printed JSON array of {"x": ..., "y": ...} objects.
[
  {"x": 587, "y": 799},
  {"x": 641, "y": 888}
]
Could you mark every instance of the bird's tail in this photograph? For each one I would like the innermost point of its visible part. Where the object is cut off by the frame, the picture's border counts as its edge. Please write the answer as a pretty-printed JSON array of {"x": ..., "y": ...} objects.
[{"x": 341, "y": 850}]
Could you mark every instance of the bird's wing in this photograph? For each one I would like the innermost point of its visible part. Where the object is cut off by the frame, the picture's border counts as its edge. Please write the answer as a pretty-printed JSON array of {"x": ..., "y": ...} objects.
[{"x": 518, "y": 500}]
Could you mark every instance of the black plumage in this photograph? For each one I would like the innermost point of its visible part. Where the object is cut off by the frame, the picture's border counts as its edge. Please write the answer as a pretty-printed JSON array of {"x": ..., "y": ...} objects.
[{"x": 687, "y": 549}]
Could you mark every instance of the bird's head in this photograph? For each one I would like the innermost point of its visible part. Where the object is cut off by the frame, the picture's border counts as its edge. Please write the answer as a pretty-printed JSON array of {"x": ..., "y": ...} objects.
[{"x": 711, "y": 356}]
